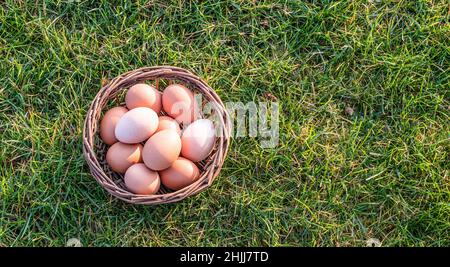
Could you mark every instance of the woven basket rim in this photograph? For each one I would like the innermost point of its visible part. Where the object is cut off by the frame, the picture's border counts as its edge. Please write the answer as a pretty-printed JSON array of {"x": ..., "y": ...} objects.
[{"x": 210, "y": 167}]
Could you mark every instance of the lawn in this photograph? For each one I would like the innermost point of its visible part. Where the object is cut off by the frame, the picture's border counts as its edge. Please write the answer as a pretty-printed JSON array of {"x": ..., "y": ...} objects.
[{"x": 364, "y": 94}]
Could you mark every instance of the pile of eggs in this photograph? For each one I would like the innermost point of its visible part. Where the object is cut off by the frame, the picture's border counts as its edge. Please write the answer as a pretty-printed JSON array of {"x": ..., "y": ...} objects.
[{"x": 151, "y": 149}]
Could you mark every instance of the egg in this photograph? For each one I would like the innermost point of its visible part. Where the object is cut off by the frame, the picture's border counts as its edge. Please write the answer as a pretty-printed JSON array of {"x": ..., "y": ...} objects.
[
  {"x": 121, "y": 156},
  {"x": 161, "y": 150},
  {"x": 143, "y": 95},
  {"x": 197, "y": 140},
  {"x": 179, "y": 102},
  {"x": 137, "y": 125},
  {"x": 140, "y": 180},
  {"x": 166, "y": 122},
  {"x": 108, "y": 124},
  {"x": 181, "y": 173}
]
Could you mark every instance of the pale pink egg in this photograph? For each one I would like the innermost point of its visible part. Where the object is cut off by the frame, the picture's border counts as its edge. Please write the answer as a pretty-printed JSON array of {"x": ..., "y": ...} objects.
[
  {"x": 137, "y": 125},
  {"x": 143, "y": 95},
  {"x": 198, "y": 140},
  {"x": 161, "y": 150},
  {"x": 141, "y": 180}
]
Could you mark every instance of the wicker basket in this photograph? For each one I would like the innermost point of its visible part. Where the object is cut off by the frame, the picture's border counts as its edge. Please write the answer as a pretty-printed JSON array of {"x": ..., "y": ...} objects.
[{"x": 95, "y": 150}]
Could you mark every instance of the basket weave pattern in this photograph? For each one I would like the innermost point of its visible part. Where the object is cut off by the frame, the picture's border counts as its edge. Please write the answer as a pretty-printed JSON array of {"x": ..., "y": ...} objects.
[{"x": 94, "y": 149}]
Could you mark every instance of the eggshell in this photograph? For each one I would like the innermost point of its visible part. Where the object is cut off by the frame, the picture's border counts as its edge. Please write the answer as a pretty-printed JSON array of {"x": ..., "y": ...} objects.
[
  {"x": 198, "y": 140},
  {"x": 137, "y": 125},
  {"x": 166, "y": 122},
  {"x": 143, "y": 95},
  {"x": 181, "y": 173},
  {"x": 140, "y": 180},
  {"x": 179, "y": 102},
  {"x": 121, "y": 156},
  {"x": 108, "y": 124},
  {"x": 161, "y": 150}
]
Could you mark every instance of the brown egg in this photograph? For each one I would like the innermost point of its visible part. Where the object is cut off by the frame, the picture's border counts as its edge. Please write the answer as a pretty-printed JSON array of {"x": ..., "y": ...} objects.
[
  {"x": 140, "y": 180},
  {"x": 108, "y": 124},
  {"x": 143, "y": 95},
  {"x": 166, "y": 122},
  {"x": 181, "y": 173},
  {"x": 161, "y": 150},
  {"x": 179, "y": 102},
  {"x": 121, "y": 156},
  {"x": 136, "y": 126}
]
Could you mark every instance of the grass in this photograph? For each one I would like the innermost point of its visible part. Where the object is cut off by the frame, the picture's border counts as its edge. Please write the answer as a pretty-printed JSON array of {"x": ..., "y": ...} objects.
[{"x": 335, "y": 179}]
